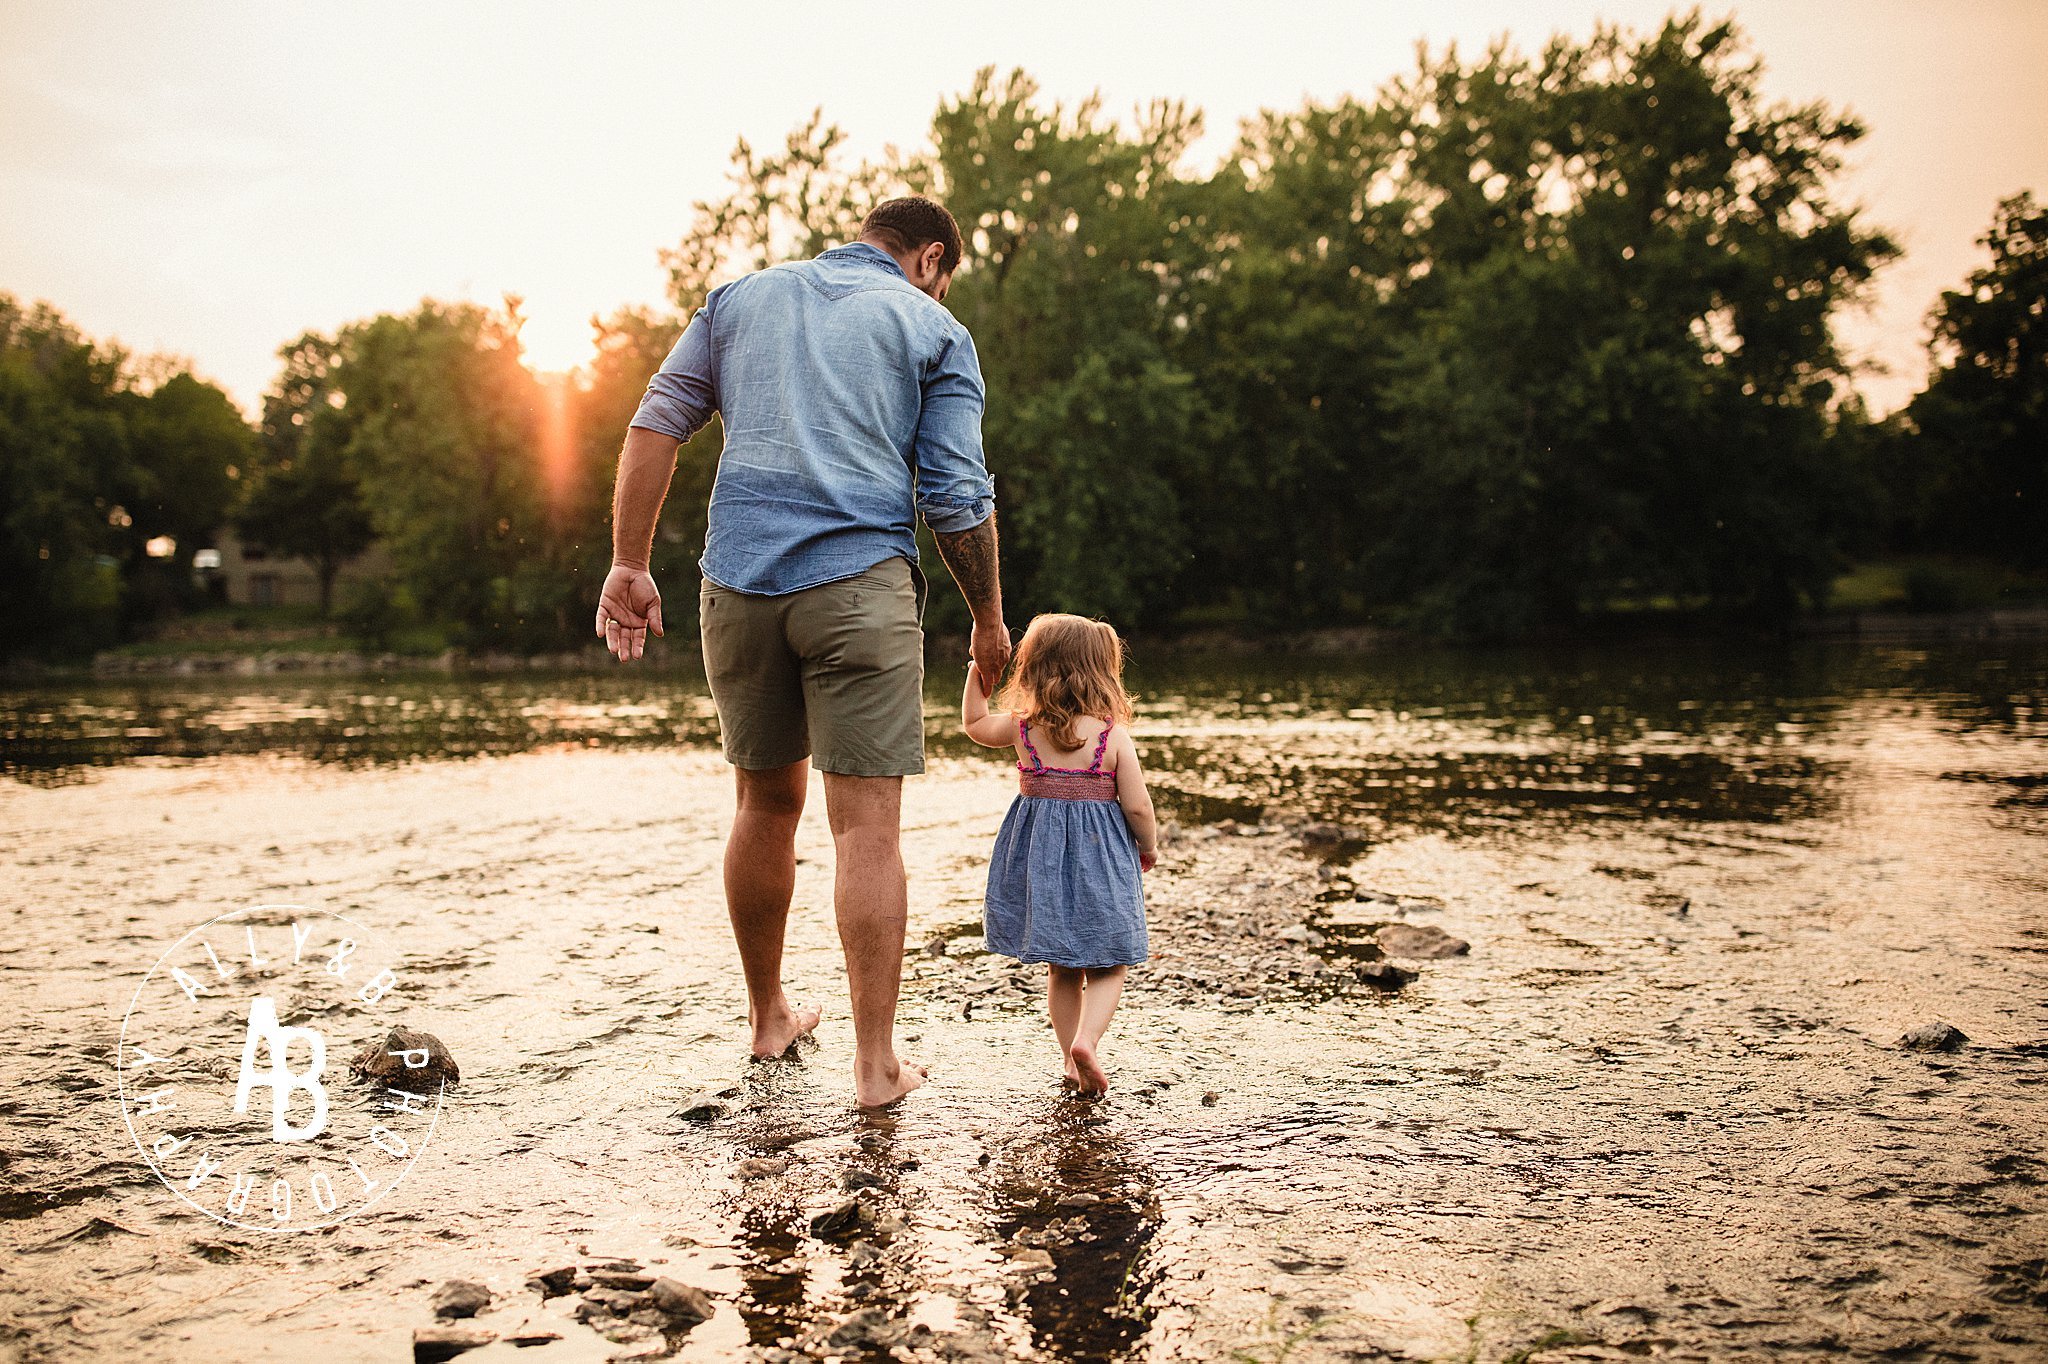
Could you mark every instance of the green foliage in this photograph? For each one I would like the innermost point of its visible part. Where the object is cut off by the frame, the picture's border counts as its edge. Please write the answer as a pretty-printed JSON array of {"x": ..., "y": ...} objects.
[
  {"x": 303, "y": 497},
  {"x": 98, "y": 457},
  {"x": 1968, "y": 464},
  {"x": 1515, "y": 340}
]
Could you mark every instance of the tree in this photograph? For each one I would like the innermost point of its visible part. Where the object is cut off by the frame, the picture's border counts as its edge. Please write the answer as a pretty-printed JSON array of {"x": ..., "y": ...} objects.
[
  {"x": 1975, "y": 475},
  {"x": 1619, "y": 376},
  {"x": 100, "y": 456},
  {"x": 303, "y": 498},
  {"x": 439, "y": 421}
]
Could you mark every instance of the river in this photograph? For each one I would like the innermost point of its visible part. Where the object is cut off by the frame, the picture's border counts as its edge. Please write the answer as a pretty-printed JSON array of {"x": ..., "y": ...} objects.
[{"x": 1658, "y": 1110}]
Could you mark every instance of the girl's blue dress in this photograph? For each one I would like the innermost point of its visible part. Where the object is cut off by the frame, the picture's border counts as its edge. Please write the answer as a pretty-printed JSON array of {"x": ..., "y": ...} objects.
[{"x": 1063, "y": 881}]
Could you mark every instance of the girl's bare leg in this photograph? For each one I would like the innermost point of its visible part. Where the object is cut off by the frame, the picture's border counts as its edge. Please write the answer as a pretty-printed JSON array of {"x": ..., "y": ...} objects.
[
  {"x": 1063, "y": 1004},
  {"x": 1098, "y": 1005}
]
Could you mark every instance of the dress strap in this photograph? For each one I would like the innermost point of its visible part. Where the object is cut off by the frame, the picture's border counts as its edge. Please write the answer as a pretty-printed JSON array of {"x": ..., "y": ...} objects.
[
  {"x": 1024, "y": 733},
  {"x": 1101, "y": 745}
]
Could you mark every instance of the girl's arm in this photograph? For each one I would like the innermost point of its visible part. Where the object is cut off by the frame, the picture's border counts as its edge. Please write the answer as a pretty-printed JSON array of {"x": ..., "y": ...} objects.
[
  {"x": 990, "y": 730},
  {"x": 1136, "y": 800}
]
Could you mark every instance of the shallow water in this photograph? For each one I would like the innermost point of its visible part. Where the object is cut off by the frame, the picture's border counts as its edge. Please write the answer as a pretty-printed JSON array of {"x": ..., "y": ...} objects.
[{"x": 1657, "y": 1111}]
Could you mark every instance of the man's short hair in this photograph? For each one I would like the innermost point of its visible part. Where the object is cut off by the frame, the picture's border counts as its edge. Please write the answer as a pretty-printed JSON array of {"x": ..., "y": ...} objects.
[{"x": 913, "y": 222}]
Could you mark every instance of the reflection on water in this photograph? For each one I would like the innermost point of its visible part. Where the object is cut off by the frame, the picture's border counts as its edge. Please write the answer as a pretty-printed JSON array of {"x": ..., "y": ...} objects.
[{"x": 1462, "y": 741}]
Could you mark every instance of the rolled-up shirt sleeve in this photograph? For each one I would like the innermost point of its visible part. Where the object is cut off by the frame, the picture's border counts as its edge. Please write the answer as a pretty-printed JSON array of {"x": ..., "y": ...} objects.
[
  {"x": 683, "y": 394},
  {"x": 954, "y": 490}
]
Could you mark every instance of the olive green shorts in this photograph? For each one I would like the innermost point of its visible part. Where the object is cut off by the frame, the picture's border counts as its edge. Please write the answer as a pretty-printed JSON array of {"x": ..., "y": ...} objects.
[{"x": 834, "y": 673}]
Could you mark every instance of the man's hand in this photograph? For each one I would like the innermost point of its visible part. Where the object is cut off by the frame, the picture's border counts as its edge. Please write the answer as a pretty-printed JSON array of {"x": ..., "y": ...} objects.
[
  {"x": 627, "y": 609},
  {"x": 991, "y": 652}
]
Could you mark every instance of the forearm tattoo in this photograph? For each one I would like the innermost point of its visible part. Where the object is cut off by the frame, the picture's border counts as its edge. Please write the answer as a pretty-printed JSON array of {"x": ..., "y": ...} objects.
[{"x": 970, "y": 557}]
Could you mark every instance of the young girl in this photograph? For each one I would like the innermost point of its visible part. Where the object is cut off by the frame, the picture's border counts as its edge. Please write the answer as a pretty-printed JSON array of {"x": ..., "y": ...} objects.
[{"x": 1063, "y": 883}]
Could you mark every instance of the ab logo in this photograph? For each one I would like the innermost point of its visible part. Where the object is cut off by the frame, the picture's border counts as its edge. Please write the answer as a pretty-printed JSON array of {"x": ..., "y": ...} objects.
[
  {"x": 264, "y": 1032},
  {"x": 225, "y": 1076}
]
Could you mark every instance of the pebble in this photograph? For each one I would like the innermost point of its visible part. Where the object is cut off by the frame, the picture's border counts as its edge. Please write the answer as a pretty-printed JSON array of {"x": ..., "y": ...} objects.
[
  {"x": 1934, "y": 1037},
  {"x": 460, "y": 1298},
  {"x": 1416, "y": 941},
  {"x": 553, "y": 1282},
  {"x": 380, "y": 1063},
  {"x": 761, "y": 1167},
  {"x": 681, "y": 1303},
  {"x": 839, "y": 1221},
  {"x": 430, "y": 1343}
]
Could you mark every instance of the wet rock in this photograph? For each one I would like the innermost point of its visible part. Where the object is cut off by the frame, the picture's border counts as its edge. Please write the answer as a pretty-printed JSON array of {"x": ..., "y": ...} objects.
[
  {"x": 530, "y": 1332},
  {"x": 935, "y": 948},
  {"x": 553, "y": 1282},
  {"x": 1209, "y": 1100},
  {"x": 863, "y": 1255},
  {"x": 1934, "y": 1037},
  {"x": 840, "y": 1221},
  {"x": 1383, "y": 975},
  {"x": 600, "y": 1304},
  {"x": 431, "y": 1343},
  {"x": 761, "y": 1167},
  {"x": 1300, "y": 933},
  {"x": 408, "y": 1059},
  {"x": 1078, "y": 1200},
  {"x": 628, "y": 1280},
  {"x": 1032, "y": 1259},
  {"x": 460, "y": 1298},
  {"x": 681, "y": 1304},
  {"x": 708, "y": 1104},
  {"x": 853, "y": 1181},
  {"x": 1419, "y": 942},
  {"x": 867, "y": 1329}
]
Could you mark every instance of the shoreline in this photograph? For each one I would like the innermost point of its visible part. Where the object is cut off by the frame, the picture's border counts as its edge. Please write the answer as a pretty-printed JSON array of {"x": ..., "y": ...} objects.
[{"x": 2026, "y": 622}]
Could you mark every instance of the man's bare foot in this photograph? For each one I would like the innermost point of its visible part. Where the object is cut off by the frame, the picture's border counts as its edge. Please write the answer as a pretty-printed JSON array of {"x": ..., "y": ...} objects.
[
  {"x": 776, "y": 1032},
  {"x": 880, "y": 1086},
  {"x": 1092, "y": 1077}
]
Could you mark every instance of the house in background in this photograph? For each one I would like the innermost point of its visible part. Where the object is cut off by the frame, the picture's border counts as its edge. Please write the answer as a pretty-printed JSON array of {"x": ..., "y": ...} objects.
[{"x": 250, "y": 576}]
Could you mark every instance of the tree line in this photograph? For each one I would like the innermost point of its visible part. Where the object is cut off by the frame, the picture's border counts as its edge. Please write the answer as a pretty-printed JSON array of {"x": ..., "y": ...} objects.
[{"x": 1517, "y": 340}]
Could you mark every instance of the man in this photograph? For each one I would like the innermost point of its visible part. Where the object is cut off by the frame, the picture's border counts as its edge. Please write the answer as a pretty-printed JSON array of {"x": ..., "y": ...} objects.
[{"x": 852, "y": 404}]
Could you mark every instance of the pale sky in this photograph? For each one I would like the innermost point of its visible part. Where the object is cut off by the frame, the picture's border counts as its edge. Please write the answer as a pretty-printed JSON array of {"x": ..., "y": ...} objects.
[{"x": 211, "y": 179}]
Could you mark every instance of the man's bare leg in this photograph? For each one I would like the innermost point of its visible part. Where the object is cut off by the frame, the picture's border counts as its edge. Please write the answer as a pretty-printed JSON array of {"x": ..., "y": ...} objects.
[
  {"x": 760, "y": 876},
  {"x": 872, "y": 904}
]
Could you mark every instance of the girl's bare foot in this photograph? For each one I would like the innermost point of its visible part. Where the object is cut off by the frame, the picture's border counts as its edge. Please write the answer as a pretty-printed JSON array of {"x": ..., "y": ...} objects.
[
  {"x": 777, "y": 1031},
  {"x": 1088, "y": 1071},
  {"x": 1073, "y": 1076},
  {"x": 880, "y": 1086}
]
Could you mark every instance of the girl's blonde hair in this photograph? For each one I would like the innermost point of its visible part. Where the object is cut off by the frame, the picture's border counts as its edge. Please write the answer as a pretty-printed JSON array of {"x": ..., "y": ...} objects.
[{"x": 1067, "y": 667}]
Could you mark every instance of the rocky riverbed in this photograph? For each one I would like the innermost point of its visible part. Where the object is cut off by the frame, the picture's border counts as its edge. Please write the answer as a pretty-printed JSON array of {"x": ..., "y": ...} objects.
[{"x": 1658, "y": 1104}]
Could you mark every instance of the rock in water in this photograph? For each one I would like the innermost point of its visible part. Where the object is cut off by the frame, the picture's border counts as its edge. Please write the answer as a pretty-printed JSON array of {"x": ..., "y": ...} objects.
[
  {"x": 1384, "y": 975},
  {"x": 434, "y": 1343},
  {"x": 1419, "y": 942},
  {"x": 1934, "y": 1037},
  {"x": 840, "y": 1221},
  {"x": 552, "y": 1283},
  {"x": 460, "y": 1298},
  {"x": 409, "y": 1060},
  {"x": 681, "y": 1303},
  {"x": 761, "y": 1167}
]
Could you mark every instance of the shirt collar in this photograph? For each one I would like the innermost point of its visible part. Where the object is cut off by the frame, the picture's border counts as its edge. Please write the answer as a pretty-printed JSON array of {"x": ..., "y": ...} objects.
[{"x": 868, "y": 251}]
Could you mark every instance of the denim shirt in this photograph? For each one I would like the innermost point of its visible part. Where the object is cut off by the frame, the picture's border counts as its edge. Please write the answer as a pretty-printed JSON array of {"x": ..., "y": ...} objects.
[{"x": 852, "y": 403}]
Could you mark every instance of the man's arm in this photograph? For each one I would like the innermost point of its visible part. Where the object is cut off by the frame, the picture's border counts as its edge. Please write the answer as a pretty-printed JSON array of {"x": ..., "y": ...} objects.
[
  {"x": 680, "y": 398},
  {"x": 971, "y": 558},
  {"x": 630, "y": 604},
  {"x": 957, "y": 498}
]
